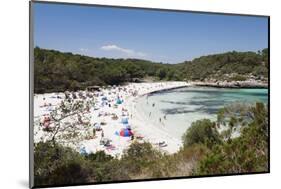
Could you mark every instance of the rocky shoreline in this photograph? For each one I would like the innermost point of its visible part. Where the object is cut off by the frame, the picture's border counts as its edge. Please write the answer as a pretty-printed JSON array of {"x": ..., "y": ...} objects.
[{"x": 233, "y": 84}]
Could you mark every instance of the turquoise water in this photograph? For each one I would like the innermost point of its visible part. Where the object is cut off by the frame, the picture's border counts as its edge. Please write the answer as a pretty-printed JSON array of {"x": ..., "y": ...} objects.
[{"x": 183, "y": 106}]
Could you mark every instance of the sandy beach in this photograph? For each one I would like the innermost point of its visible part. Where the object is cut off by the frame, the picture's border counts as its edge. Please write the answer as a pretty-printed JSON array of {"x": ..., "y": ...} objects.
[{"x": 109, "y": 110}]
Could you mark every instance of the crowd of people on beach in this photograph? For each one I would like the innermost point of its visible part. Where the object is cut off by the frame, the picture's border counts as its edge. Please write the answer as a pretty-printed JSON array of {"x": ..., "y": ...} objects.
[{"x": 103, "y": 111}]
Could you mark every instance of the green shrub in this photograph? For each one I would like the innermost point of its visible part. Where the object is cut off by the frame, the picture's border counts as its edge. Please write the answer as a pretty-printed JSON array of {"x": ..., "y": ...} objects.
[
  {"x": 55, "y": 164},
  {"x": 201, "y": 132},
  {"x": 244, "y": 154},
  {"x": 140, "y": 155}
]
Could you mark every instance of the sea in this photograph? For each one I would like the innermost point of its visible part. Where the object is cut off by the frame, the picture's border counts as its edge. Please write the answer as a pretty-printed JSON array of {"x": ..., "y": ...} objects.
[{"x": 174, "y": 110}]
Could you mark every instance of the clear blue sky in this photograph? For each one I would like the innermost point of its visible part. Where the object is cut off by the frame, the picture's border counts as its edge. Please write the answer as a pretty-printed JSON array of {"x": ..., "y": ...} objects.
[{"x": 161, "y": 36}]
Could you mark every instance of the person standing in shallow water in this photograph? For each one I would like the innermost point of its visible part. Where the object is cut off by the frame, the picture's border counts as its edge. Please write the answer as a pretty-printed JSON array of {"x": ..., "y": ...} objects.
[
  {"x": 153, "y": 104},
  {"x": 94, "y": 132},
  {"x": 102, "y": 133}
]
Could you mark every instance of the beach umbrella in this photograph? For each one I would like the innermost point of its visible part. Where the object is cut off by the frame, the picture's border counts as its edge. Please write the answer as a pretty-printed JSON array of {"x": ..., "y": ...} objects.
[
  {"x": 117, "y": 133},
  {"x": 118, "y": 101},
  {"x": 104, "y": 98},
  {"x": 125, "y": 133},
  {"x": 124, "y": 120},
  {"x": 97, "y": 126}
]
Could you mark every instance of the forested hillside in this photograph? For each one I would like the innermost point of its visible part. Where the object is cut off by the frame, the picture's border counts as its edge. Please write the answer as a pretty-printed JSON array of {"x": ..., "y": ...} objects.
[
  {"x": 57, "y": 71},
  {"x": 231, "y": 65}
]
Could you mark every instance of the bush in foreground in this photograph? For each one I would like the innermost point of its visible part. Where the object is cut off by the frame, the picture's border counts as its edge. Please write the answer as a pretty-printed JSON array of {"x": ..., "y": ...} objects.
[
  {"x": 247, "y": 153},
  {"x": 202, "y": 132}
]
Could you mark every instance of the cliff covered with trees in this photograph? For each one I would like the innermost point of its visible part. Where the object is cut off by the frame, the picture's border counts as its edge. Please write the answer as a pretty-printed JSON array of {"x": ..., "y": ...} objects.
[{"x": 55, "y": 71}]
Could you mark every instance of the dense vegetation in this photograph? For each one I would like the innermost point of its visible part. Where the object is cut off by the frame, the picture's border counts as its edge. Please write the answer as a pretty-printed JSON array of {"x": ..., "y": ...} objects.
[
  {"x": 57, "y": 71},
  {"x": 228, "y": 66},
  {"x": 205, "y": 151}
]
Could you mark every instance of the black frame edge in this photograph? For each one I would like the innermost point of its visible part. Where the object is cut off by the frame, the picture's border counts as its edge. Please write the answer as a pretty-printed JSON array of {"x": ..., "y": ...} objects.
[{"x": 31, "y": 92}]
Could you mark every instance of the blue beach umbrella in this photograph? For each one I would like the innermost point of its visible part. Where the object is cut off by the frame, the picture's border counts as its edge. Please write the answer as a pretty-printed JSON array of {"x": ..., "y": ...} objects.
[{"x": 124, "y": 120}]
